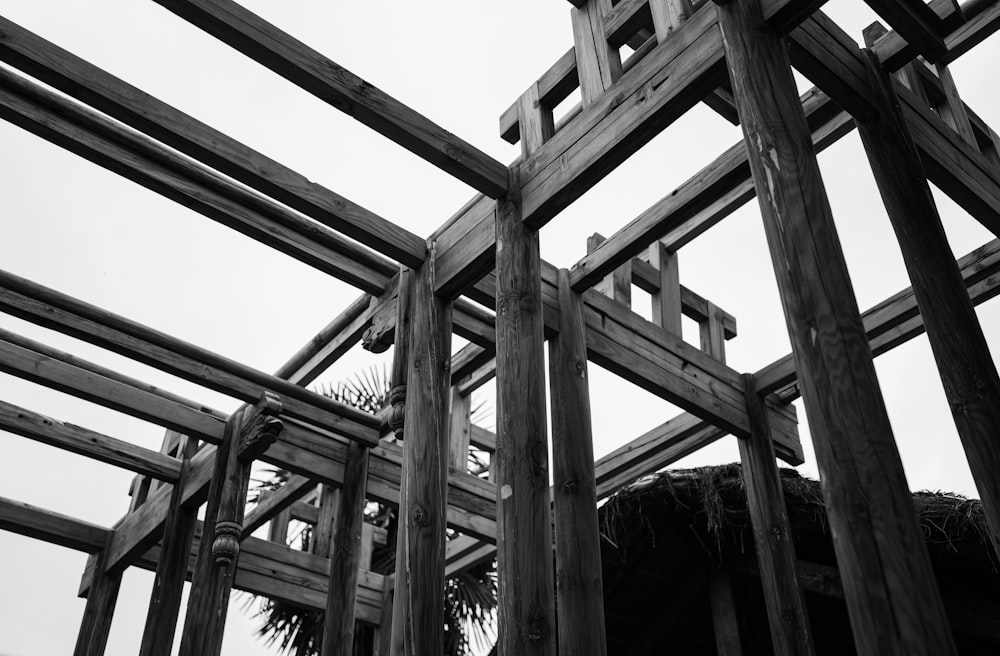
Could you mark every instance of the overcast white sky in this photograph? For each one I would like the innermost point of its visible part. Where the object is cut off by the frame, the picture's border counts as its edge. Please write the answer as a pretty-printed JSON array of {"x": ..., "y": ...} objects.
[{"x": 81, "y": 230}]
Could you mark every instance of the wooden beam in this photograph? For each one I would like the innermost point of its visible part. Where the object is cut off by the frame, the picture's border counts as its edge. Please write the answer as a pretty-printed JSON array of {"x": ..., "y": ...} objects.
[
  {"x": 52, "y": 527},
  {"x": 893, "y": 600},
  {"x": 277, "y": 501},
  {"x": 40, "y": 364},
  {"x": 79, "y": 79},
  {"x": 51, "y": 309},
  {"x": 579, "y": 592},
  {"x": 101, "y": 140},
  {"x": 524, "y": 559},
  {"x": 963, "y": 358},
  {"x": 786, "y": 607},
  {"x": 171, "y": 566},
  {"x": 83, "y": 441},
  {"x": 425, "y": 455},
  {"x": 598, "y": 64},
  {"x": 915, "y": 22},
  {"x": 341, "y": 600},
  {"x": 303, "y": 66},
  {"x": 725, "y": 616},
  {"x": 95, "y": 625}
]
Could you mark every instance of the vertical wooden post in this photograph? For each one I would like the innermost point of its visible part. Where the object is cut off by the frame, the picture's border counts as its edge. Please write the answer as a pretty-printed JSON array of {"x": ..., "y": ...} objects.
[
  {"x": 786, "y": 608},
  {"x": 345, "y": 561},
  {"x": 953, "y": 110},
  {"x": 598, "y": 65},
  {"x": 524, "y": 525},
  {"x": 893, "y": 600},
  {"x": 713, "y": 334},
  {"x": 392, "y": 641},
  {"x": 425, "y": 461},
  {"x": 460, "y": 429},
  {"x": 172, "y": 566},
  {"x": 329, "y": 509},
  {"x": 668, "y": 16},
  {"x": 579, "y": 592},
  {"x": 248, "y": 434},
  {"x": 725, "y": 620},
  {"x": 963, "y": 358},
  {"x": 277, "y": 529},
  {"x": 667, "y": 299},
  {"x": 99, "y": 611},
  {"x": 618, "y": 285}
]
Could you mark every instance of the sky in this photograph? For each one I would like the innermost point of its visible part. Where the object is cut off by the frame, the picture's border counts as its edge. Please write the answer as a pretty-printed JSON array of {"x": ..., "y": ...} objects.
[{"x": 86, "y": 232}]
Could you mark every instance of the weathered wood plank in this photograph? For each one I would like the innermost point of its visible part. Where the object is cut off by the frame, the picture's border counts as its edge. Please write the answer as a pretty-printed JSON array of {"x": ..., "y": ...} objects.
[
  {"x": 95, "y": 625},
  {"x": 892, "y": 600},
  {"x": 83, "y": 441},
  {"x": 303, "y": 66},
  {"x": 101, "y": 140},
  {"x": 786, "y": 607},
  {"x": 77, "y": 78},
  {"x": 341, "y": 600},
  {"x": 171, "y": 567},
  {"x": 425, "y": 453},
  {"x": 524, "y": 560},
  {"x": 579, "y": 591},
  {"x": 52, "y": 309},
  {"x": 54, "y": 528},
  {"x": 963, "y": 358}
]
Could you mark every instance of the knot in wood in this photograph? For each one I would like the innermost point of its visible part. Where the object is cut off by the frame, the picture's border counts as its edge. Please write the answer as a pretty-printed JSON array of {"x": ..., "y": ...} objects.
[
  {"x": 570, "y": 487},
  {"x": 417, "y": 362},
  {"x": 580, "y": 368},
  {"x": 421, "y": 517},
  {"x": 226, "y": 545}
]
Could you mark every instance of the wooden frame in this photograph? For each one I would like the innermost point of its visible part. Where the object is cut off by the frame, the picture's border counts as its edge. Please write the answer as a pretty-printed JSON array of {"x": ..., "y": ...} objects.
[{"x": 682, "y": 54}]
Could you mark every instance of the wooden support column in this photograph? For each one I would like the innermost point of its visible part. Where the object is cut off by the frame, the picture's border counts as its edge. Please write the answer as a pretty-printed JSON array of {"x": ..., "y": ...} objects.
[
  {"x": 341, "y": 599},
  {"x": 425, "y": 463},
  {"x": 460, "y": 429},
  {"x": 579, "y": 592},
  {"x": 524, "y": 525},
  {"x": 598, "y": 65},
  {"x": 100, "y": 609},
  {"x": 277, "y": 530},
  {"x": 892, "y": 597},
  {"x": 667, "y": 298},
  {"x": 249, "y": 432},
  {"x": 786, "y": 608},
  {"x": 963, "y": 358},
  {"x": 725, "y": 619},
  {"x": 172, "y": 565},
  {"x": 713, "y": 334},
  {"x": 323, "y": 532},
  {"x": 668, "y": 16},
  {"x": 392, "y": 641},
  {"x": 619, "y": 284}
]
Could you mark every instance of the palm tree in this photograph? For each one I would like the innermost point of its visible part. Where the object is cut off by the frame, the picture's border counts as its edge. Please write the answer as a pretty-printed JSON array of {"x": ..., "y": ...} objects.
[{"x": 470, "y": 596}]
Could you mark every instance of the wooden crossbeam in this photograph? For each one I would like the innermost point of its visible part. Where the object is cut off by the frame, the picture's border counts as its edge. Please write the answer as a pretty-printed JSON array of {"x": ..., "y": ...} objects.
[
  {"x": 916, "y": 22},
  {"x": 33, "y": 522},
  {"x": 104, "y": 92},
  {"x": 91, "y": 444},
  {"x": 658, "y": 89},
  {"x": 303, "y": 66},
  {"x": 49, "y": 308},
  {"x": 103, "y": 141}
]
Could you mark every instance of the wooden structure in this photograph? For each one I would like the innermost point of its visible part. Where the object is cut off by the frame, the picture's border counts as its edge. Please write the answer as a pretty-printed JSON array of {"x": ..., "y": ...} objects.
[{"x": 480, "y": 276}]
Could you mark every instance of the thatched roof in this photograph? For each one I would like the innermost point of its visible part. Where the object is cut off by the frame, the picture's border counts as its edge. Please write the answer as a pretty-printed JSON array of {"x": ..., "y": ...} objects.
[{"x": 664, "y": 534}]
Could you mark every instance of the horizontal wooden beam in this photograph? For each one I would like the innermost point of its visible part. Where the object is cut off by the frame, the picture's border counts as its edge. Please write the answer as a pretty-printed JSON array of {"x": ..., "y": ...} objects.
[
  {"x": 672, "y": 78},
  {"x": 81, "y": 80},
  {"x": 276, "y": 501},
  {"x": 693, "y": 205},
  {"x": 916, "y": 22},
  {"x": 303, "y": 66},
  {"x": 86, "y": 442},
  {"x": 134, "y": 156},
  {"x": 275, "y": 571},
  {"x": 896, "y": 319},
  {"x": 52, "y": 309},
  {"x": 60, "y": 371},
  {"x": 51, "y": 527}
]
